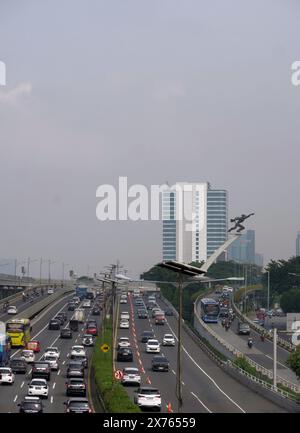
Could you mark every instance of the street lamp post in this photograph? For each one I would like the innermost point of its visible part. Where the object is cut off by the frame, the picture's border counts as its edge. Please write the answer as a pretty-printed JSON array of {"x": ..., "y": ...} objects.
[
  {"x": 268, "y": 300},
  {"x": 275, "y": 358},
  {"x": 181, "y": 269}
]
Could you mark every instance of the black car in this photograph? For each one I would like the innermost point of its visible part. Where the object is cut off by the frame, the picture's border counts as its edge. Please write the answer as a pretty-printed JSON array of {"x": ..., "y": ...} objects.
[
  {"x": 74, "y": 325},
  {"x": 54, "y": 324},
  {"x": 18, "y": 365},
  {"x": 66, "y": 333},
  {"x": 160, "y": 363},
  {"x": 71, "y": 306},
  {"x": 146, "y": 335},
  {"x": 96, "y": 311},
  {"x": 41, "y": 369},
  {"x": 61, "y": 318},
  {"x": 169, "y": 312},
  {"x": 81, "y": 358},
  {"x": 75, "y": 369},
  {"x": 76, "y": 386},
  {"x": 142, "y": 314},
  {"x": 31, "y": 405},
  {"x": 77, "y": 405},
  {"x": 125, "y": 354}
]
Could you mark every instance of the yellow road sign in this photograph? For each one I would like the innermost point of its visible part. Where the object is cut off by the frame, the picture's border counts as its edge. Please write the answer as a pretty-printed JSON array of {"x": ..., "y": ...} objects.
[{"x": 104, "y": 347}]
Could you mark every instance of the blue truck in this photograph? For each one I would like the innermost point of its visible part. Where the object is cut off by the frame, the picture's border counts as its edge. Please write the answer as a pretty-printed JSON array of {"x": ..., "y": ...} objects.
[{"x": 81, "y": 291}]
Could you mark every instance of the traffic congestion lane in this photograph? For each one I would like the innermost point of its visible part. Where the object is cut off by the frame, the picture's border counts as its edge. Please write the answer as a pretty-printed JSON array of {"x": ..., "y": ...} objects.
[
  {"x": 57, "y": 387},
  {"x": 200, "y": 364}
]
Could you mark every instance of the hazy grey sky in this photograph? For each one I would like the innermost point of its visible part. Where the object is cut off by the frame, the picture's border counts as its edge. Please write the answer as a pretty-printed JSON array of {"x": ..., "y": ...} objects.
[{"x": 154, "y": 90}]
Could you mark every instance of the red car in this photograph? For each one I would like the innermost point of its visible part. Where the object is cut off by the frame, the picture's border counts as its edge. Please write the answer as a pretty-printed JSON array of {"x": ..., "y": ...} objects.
[
  {"x": 91, "y": 330},
  {"x": 34, "y": 345}
]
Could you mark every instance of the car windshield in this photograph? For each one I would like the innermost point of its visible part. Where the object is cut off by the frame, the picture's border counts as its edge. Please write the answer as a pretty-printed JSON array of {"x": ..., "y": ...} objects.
[
  {"x": 75, "y": 365},
  {"x": 37, "y": 382},
  {"x": 79, "y": 404},
  {"x": 160, "y": 359},
  {"x": 76, "y": 382},
  {"x": 41, "y": 364},
  {"x": 149, "y": 391},
  {"x": 31, "y": 406},
  {"x": 4, "y": 371},
  {"x": 131, "y": 371},
  {"x": 50, "y": 358}
]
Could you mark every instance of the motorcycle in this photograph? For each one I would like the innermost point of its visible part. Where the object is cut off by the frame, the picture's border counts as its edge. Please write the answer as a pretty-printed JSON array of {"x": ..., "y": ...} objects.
[{"x": 250, "y": 343}]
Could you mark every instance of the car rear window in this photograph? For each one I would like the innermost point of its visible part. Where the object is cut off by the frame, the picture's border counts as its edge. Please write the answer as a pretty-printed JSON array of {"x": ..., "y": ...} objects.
[{"x": 149, "y": 391}]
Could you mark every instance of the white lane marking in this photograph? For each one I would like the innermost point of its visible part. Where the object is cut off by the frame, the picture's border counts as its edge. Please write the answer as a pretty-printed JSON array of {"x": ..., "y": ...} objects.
[
  {"x": 51, "y": 398},
  {"x": 268, "y": 356},
  {"x": 63, "y": 363},
  {"x": 58, "y": 373},
  {"x": 22, "y": 384},
  {"x": 36, "y": 335},
  {"x": 54, "y": 385},
  {"x": 173, "y": 372},
  {"x": 201, "y": 402},
  {"x": 207, "y": 375},
  {"x": 15, "y": 399}
]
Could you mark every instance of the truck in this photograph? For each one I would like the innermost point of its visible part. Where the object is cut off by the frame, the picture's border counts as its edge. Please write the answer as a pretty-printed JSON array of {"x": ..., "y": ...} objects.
[
  {"x": 91, "y": 294},
  {"x": 81, "y": 291},
  {"x": 79, "y": 315}
]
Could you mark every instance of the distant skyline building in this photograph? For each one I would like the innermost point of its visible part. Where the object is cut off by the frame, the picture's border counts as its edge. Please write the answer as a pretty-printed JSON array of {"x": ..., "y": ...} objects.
[
  {"x": 243, "y": 249},
  {"x": 195, "y": 221},
  {"x": 259, "y": 260},
  {"x": 298, "y": 244}
]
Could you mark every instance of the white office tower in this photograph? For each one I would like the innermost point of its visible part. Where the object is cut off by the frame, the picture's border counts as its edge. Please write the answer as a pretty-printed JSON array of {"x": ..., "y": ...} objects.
[{"x": 195, "y": 221}]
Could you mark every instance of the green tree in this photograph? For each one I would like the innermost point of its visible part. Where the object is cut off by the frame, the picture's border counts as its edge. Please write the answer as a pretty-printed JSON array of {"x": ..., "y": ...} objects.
[
  {"x": 290, "y": 301},
  {"x": 294, "y": 361}
]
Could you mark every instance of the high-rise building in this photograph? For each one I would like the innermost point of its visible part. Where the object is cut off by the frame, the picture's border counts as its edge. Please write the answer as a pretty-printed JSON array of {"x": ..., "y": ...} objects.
[
  {"x": 243, "y": 249},
  {"x": 298, "y": 244},
  {"x": 259, "y": 260},
  {"x": 195, "y": 221}
]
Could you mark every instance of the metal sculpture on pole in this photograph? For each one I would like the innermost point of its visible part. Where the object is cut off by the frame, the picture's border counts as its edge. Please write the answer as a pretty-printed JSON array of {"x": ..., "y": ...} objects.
[{"x": 238, "y": 222}]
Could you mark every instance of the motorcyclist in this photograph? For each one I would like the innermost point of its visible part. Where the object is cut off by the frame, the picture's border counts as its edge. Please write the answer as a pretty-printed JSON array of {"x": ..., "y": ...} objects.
[{"x": 250, "y": 342}]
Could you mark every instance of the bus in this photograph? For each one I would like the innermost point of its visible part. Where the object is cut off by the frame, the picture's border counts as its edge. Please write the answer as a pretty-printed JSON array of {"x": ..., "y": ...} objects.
[
  {"x": 19, "y": 331},
  {"x": 81, "y": 291},
  {"x": 209, "y": 310}
]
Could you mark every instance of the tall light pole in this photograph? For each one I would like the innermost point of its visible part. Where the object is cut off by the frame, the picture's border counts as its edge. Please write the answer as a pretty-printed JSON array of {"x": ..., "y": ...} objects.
[
  {"x": 275, "y": 358},
  {"x": 268, "y": 300},
  {"x": 28, "y": 265},
  {"x": 181, "y": 269},
  {"x": 49, "y": 271}
]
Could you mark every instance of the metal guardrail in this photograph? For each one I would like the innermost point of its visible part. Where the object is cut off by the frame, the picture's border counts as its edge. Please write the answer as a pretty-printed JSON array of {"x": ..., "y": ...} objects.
[
  {"x": 260, "y": 330},
  {"x": 236, "y": 352}
]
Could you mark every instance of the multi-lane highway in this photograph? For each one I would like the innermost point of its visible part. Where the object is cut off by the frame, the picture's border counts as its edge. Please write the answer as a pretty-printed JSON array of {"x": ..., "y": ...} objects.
[
  {"x": 206, "y": 387},
  {"x": 11, "y": 395},
  {"x": 261, "y": 352}
]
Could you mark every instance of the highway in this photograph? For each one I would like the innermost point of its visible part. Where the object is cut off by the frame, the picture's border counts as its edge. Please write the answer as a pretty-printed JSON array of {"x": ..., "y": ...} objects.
[
  {"x": 206, "y": 387},
  {"x": 261, "y": 352},
  {"x": 11, "y": 395}
]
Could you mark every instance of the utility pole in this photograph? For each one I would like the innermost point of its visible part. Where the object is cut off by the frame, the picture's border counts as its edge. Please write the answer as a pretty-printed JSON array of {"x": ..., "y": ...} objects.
[
  {"x": 179, "y": 351},
  {"x": 275, "y": 358},
  {"x": 268, "y": 309},
  {"x": 41, "y": 263}
]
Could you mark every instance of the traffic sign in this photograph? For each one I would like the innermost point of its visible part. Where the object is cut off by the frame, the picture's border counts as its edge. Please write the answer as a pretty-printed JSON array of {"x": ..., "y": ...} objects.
[
  {"x": 118, "y": 374},
  {"x": 104, "y": 347}
]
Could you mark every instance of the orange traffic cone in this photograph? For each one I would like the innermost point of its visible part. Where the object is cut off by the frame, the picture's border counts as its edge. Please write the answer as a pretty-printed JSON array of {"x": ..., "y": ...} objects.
[{"x": 169, "y": 408}]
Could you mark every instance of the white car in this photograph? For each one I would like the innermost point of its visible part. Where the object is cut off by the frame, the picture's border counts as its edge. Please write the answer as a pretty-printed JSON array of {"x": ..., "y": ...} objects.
[
  {"x": 12, "y": 310},
  {"x": 50, "y": 291},
  {"x": 38, "y": 387},
  {"x": 52, "y": 360},
  {"x": 86, "y": 304},
  {"x": 125, "y": 315},
  {"x": 87, "y": 340},
  {"x": 6, "y": 375},
  {"x": 124, "y": 324},
  {"x": 131, "y": 375},
  {"x": 28, "y": 355},
  {"x": 123, "y": 342},
  {"x": 53, "y": 351},
  {"x": 123, "y": 301},
  {"x": 168, "y": 340},
  {"x": 77, "y": 351},
  {"x": 153, "y": 346},
  {"x": 148, "y": 396}
]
